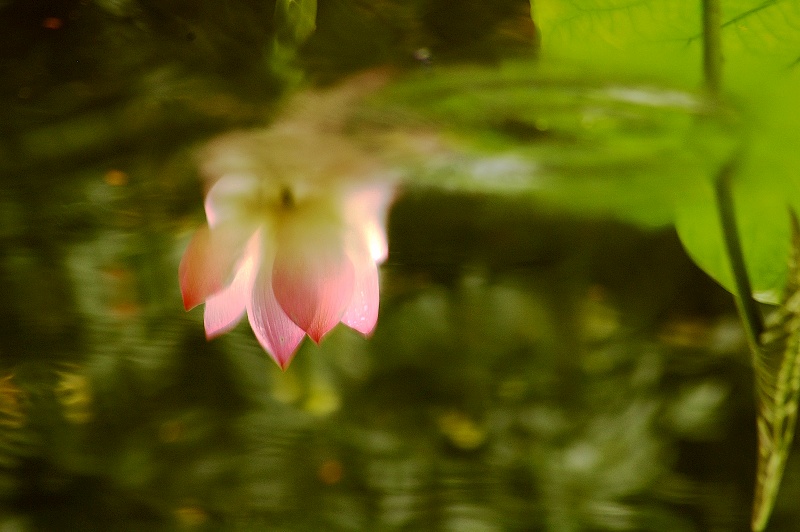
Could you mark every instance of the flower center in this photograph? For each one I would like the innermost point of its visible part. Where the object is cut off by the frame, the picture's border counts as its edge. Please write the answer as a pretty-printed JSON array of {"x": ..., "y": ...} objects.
[{"x": 287, "y": 198}]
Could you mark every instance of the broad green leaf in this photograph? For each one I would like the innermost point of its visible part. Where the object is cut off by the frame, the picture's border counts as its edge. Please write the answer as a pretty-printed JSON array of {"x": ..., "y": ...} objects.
[
  {"x": 760, "y": 75},
  {"x": 765, "y": 30},
  {"x": 762, "y": 219},
  {"x": 650, "y": 38}
]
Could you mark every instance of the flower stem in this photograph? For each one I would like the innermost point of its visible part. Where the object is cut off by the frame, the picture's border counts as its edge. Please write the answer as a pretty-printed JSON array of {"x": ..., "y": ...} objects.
[
  {"x": 712, "y": 69},
  {"x": 748, "y": 308}
]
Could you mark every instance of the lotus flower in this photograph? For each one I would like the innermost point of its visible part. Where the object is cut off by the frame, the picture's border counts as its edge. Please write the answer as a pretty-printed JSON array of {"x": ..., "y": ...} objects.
[{"x": 296, "y": 230}]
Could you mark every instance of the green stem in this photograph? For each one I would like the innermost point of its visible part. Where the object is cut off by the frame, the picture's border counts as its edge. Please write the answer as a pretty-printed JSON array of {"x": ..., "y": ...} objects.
[
  {"x": 712, "y": 45},
  {"x": 712, "y": 68},
  {"x": 748, "y": 308}
]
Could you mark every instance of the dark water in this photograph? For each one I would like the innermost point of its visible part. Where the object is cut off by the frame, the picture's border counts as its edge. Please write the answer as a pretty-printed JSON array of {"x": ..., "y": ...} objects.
[
  {"x": 527, "y": 373},
  {"x": 530, "y": 370}
]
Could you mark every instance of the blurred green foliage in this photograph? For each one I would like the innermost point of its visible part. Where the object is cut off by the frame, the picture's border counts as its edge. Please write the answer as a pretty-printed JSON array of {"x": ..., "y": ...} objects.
[{"x": 569, "y": 141}]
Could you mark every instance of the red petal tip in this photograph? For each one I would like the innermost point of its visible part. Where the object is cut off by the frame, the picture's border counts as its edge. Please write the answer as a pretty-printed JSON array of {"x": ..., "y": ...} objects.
[
  {"x": 284, "y": 361},
  {"x": 189, "y": 303}
]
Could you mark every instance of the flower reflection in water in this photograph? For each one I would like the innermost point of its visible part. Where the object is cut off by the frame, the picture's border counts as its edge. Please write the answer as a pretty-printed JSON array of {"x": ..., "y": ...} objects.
[{"x": 296, "y": 229}]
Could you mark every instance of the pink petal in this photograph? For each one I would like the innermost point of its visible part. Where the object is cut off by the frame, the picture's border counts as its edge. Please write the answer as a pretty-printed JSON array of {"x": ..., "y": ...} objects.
[
  {"x": 361, "y": 313},
  {"x": 224, "y": 309},
  {"x": 208, "y": 262},
  {"x": 313, "y": 278},
  {"x": 366, "y": 211},
  {"x": 276, "y": 333},
  {"x": 227, "y": 197},
  {"x": 375, "y": 235}
]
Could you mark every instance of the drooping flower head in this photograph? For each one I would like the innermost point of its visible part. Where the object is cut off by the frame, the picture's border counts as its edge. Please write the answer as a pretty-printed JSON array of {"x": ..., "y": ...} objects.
[{"x": 296, "y": 229}]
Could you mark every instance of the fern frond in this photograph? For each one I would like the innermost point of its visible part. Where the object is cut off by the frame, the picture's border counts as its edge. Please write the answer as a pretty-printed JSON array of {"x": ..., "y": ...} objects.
[{"x": 777, "y": 367}]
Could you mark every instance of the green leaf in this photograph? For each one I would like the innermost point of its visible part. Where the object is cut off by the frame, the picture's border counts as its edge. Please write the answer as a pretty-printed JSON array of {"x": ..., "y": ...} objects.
[
  {"x": 759, "y": 49},
  {"x": 662, "y": 40},
  {"x": 649, "y": 38},
  {"x": 766, "y": 29},
  {"x": 763, "y": 229}
]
